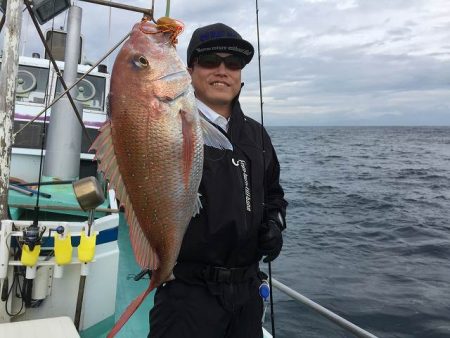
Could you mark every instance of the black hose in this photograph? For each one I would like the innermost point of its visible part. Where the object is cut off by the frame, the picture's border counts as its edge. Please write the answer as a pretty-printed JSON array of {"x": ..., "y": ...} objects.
[{"x": 28, "y": 287}]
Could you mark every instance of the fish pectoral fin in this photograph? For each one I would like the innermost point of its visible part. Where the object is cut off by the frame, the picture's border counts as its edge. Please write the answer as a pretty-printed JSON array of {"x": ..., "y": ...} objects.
[
  {"x": 197, "y": 206},
  {"x": 213, "y": 137},
  {"x": 188, "y": 147}
]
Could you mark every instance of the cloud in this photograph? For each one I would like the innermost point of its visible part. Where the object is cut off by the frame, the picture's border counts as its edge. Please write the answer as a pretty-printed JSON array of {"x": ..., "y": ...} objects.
[{"x": 323, "y": 61}]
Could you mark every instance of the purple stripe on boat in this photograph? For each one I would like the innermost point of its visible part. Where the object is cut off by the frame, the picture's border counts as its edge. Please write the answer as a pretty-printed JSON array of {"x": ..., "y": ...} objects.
[{"x": 26, "y": 117}]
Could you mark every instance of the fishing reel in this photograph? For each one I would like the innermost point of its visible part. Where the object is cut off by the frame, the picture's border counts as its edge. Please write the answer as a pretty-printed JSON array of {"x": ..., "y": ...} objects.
[
  {"x": 31, "y": 247},
  {"x": 32, "y": 236}
]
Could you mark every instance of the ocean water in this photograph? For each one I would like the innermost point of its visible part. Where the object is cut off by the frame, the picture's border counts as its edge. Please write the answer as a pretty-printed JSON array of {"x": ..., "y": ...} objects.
[{"x": 368, "y": 230}]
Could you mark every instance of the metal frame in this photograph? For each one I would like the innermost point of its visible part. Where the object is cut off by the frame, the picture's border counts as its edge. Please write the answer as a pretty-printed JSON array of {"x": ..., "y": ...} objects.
[{"x": 145, "y": 11}]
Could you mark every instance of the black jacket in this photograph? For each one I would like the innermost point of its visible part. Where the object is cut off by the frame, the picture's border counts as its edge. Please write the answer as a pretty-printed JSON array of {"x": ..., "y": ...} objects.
[{"x": 225, "y": 233}]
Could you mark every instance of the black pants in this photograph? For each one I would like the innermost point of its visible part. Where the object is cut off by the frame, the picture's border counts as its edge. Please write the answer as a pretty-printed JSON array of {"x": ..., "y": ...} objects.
[{"x": 184, "y": 310}]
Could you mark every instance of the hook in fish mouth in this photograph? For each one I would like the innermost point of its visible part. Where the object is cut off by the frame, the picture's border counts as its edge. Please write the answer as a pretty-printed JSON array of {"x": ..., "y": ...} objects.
[{"x": 163, "y": 25}]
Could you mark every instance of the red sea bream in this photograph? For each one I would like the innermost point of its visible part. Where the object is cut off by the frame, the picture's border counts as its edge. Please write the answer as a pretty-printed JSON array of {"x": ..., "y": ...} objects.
[{"x": 151, "y": 149}]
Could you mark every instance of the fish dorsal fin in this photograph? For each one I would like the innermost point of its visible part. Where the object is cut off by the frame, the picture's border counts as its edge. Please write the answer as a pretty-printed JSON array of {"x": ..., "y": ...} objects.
[
  {"x": 103, "y": 145},
  {"x": 212, "y": 136}
]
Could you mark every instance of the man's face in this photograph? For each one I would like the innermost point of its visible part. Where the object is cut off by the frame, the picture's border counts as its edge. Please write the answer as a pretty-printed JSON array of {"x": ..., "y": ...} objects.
[{"x": 216, "y": 86}]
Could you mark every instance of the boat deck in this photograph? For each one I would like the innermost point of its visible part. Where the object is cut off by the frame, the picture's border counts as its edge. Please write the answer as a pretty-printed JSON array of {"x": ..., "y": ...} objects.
[{"x": 127, "y": 290}]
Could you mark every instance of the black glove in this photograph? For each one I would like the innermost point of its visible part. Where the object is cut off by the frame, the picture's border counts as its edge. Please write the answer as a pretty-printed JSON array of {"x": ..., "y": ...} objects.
[{"x": 270, "y": 240}]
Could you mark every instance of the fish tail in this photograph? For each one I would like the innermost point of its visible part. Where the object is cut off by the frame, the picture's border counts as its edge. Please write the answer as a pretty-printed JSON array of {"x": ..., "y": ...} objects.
[{"x": 129, "y": 311}]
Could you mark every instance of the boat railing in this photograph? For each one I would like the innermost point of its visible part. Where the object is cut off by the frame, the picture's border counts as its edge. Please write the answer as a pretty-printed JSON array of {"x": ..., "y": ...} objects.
[{"x": 343, "y": 323}]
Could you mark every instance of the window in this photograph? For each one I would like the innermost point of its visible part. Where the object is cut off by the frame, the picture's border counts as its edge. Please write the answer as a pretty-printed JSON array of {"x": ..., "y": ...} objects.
[
  {"x": 31, "y": 84},
  {"x": 90, "y": 92}
]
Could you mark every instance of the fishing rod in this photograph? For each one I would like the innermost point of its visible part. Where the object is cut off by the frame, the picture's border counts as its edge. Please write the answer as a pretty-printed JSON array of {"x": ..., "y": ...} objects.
[
  {"x": 272, "y": 314},
  {"x": 167, "y": 8}
]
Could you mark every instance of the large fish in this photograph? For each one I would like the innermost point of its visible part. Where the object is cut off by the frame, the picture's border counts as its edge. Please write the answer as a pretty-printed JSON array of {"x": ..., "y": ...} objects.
[{"x": 151, "y": 149}]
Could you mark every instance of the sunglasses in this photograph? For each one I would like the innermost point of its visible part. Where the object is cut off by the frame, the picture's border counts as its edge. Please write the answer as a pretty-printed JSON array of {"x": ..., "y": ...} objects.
[{"x": 211, "y": 61}]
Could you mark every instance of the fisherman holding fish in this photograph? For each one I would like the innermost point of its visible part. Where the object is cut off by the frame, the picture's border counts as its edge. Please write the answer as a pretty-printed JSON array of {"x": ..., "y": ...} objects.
[
  {"x": 215, "y": 290},
  {"x": 198, "y": 180}
]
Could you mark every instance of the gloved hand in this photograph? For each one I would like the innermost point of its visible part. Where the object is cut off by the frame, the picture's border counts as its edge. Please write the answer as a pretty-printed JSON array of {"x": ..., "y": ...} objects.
[{"x": 270, "y": 240}]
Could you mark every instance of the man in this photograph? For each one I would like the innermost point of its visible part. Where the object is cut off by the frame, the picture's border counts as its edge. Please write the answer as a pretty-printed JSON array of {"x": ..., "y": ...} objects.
[{"x": 215, "y": 291}]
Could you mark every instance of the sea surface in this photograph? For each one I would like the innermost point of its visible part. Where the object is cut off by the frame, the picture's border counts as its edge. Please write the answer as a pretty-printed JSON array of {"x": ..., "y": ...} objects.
[{"x": 368, "y": 230}]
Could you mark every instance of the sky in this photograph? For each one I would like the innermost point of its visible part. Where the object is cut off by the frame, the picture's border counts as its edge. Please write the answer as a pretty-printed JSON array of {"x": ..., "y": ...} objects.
[{"x": 323, "y": 62}]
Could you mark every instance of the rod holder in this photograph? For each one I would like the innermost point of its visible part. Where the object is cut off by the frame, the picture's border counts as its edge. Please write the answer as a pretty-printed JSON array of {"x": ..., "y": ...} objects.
[{"x": 30, "y": 272}]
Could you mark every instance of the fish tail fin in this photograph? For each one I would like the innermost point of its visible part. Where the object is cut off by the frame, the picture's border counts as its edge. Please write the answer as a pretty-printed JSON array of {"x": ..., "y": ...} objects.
[
  {"x": 134, "y": 305},
  {"x": 213, "y": 137}
]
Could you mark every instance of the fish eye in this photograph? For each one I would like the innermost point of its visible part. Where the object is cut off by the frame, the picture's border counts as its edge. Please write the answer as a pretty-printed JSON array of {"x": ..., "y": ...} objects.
[{"x": 141, "y": 61}]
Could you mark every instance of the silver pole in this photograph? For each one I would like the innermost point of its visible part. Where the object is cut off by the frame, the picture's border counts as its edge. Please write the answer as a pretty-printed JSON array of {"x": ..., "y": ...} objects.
[
  {"x": 147, "y": 12},
  {"x": 345, "y": 324},
  {"x": 10, "y": 66},
  {"x": 62, "y": 157}
]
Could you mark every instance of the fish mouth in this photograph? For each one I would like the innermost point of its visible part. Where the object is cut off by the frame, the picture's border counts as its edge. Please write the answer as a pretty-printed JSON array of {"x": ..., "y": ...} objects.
[{"x": 168, "y": 99}]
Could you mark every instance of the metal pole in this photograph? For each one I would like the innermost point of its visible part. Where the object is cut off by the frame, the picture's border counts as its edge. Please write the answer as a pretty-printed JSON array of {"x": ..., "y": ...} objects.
[
  {"x": 146, "y": 11},
  {"x": 10, "y": 66},
  {"x": 62, "y": 157},
  {"x": 76, "y": 320},
  {"x": 345, "y": 324}
]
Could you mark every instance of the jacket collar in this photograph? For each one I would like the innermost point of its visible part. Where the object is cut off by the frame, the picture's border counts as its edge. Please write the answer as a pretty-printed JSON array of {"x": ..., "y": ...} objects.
[{"x": 236, "y": 121}]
